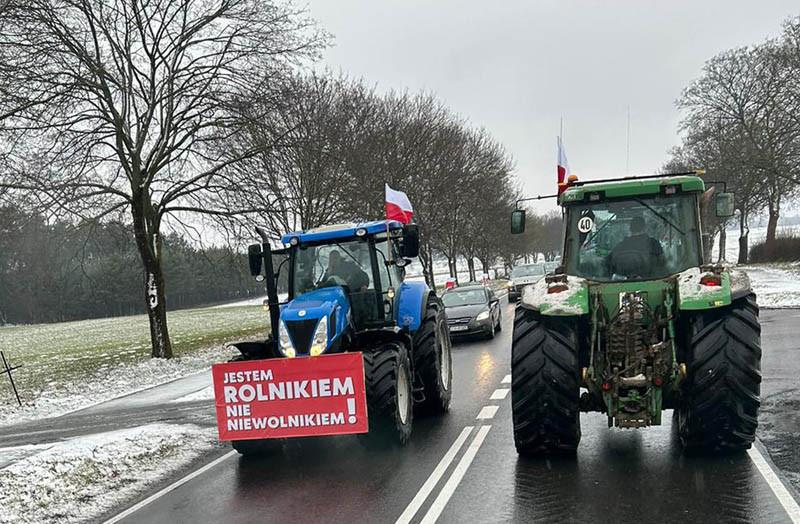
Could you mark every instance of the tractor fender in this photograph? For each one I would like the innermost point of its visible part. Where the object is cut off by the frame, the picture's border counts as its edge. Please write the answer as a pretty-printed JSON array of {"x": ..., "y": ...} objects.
[
  {"x": 571, "y": 302},
  {"x": 412, "y": 304},
  {"x": 694, "y": 296}
]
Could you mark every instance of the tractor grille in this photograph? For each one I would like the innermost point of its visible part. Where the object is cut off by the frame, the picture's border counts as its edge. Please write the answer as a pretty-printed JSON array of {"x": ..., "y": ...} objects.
[{"x": 301, "y": 332}]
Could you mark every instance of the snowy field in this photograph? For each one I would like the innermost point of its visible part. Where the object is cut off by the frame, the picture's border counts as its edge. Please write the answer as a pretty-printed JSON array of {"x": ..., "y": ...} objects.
[
  {"x": 72, "y": 365},
  {"x": 776, "y": 285},
  {"x": 81, "y": 478}
]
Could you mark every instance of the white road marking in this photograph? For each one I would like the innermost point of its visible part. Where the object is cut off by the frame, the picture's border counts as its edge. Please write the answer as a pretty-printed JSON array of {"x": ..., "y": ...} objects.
[
  {"x": 781, "y": 493},
  {"x": 435, "y": 476},
  {"x": 506, "y": 380},
  {"x": 171, "y": 487},
  {"x": 499, "y": 394},
  {"x": 487, "y": 412},
  {"x": 455, "y": 478}
]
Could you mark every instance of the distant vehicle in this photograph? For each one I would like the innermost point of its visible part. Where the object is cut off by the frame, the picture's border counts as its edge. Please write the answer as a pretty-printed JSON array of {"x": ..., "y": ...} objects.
[
  {"x": 472, "y": 310},
  {"x": 523, "y": 275}
]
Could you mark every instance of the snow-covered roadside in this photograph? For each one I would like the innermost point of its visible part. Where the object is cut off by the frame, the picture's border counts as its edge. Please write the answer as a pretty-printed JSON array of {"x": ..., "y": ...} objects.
[
  {"x": 108, "y": 383},
  {"x": 81, "y": 478},
  {"x": 775, "y": 285}
]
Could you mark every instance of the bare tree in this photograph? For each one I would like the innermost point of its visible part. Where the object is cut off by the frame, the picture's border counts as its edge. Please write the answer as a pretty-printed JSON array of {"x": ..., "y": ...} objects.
[{"x": 118, "y": 104}]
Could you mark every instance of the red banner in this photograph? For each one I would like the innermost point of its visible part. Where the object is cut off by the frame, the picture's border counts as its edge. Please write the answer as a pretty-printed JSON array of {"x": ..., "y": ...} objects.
[{"x": 291, "y": 397}]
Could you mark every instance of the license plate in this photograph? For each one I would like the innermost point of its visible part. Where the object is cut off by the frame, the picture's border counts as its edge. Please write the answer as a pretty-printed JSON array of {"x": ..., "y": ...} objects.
[{"x": 459, "y": 328}]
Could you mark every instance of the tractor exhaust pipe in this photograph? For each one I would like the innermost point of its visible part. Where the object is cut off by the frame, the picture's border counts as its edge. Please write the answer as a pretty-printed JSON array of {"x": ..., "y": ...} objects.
[{"x": 272, "y": 288}]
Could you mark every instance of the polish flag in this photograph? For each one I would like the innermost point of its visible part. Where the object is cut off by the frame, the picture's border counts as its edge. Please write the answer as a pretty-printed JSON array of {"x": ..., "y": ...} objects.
[
  {"x": 563, "y": 167},
  {"x": 398, "y": 206}
]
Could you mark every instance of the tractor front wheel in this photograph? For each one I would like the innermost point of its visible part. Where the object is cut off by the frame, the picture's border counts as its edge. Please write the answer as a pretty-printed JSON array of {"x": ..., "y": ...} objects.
[
  {"x": 720, "y": 395},
  {"x": 432, "y": 359},
  {"x": 545, "y": 387},
  {"x": 390, "y": 403}
]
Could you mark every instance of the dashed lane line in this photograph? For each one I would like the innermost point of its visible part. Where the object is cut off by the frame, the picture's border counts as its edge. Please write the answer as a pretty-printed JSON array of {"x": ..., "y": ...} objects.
[
  {"x": 455, "y": 478},
  {"x": 487, "y": 412},
  {"x": 499, "y": 394},
  {"x": 785, "y": 498},
  {"x": 436, "y": 475},
  {"x": 506, "y": 380},
  {"x": 172, "y": 487}
]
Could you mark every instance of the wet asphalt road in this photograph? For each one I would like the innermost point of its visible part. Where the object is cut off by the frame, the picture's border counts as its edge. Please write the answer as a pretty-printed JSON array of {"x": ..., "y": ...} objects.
[{"x": 617, "y": 476}]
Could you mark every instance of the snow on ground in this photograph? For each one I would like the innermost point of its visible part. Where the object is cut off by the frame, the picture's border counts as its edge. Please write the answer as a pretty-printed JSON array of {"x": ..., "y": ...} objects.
[
  {"x": 257, "y": 301},
  {"x": 776, "y": 285},
  {"x": 81, "y": 478},
  {"x": 72, "y": 365},
  {"x": 106, "y": 384}
]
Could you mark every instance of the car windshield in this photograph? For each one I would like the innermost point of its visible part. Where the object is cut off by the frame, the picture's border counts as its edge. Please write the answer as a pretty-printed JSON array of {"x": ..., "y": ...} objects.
[
  {"x": 527, "y": 271},
  {"x": 337, "y": 264},
  {"x": 467, "y": 297},
  {"x": 633, "y": 239}
]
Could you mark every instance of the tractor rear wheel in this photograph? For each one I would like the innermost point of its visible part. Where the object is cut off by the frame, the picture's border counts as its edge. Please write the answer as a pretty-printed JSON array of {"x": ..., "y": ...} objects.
[
  {"x": 390, "y": 403},
  {"x": 720, "y": 395},
  {"x": 432, "y": 359},
  {"x": 545, "y": 387}
]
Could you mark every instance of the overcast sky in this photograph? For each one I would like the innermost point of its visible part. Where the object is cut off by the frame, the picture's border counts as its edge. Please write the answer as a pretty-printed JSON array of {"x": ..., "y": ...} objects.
[{"x": 516, "y": 67}]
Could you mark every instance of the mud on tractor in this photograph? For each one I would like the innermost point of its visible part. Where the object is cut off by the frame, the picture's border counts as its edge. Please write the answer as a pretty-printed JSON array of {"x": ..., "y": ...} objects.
[
  {"x": 636, "y": 317},
  {"x": 347, "y": 293}
]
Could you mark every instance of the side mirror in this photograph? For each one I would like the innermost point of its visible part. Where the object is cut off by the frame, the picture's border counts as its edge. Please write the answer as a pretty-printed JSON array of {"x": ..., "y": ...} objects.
[
  {"x": 517, "y": 221},
  {"x": 724, "y": 205},
  {"x": 410, "y": 245},
  {"x": 256, "y": 258},
  {"x": 402, "y": 262}
]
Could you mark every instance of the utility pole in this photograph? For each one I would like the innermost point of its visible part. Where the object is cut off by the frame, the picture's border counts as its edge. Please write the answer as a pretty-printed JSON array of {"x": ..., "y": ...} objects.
[{"x": 628, "y": 145}]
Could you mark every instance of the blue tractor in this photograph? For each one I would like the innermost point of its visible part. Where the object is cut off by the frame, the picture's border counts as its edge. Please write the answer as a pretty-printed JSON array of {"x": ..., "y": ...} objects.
[{"x": 347, "y": 292}]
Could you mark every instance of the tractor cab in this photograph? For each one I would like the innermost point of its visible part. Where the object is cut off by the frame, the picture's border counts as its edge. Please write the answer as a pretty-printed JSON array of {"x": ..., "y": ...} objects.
[
  {"x": 347, "y": 293},
  {"x": 342, "y": 276}
]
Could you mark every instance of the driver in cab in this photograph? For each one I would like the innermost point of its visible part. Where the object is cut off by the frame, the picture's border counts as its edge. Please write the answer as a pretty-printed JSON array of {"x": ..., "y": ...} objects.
[
  {"x": 638, "y": 255},
  {"x": 349, "y": 272}
]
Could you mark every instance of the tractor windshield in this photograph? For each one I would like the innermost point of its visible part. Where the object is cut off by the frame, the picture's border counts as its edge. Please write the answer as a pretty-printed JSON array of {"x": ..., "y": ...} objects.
[
  {"x": 633, "y": 239},
  {"x": 337, "y": 264}
]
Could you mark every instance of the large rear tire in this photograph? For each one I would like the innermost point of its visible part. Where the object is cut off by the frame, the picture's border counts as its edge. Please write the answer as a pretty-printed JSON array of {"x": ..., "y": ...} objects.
[
  {"x": 390, "y": 403},
  {"x": 545, "y": 387},
  {"x": 720, "y": 395},
  {"x": 433, "y": 361}
]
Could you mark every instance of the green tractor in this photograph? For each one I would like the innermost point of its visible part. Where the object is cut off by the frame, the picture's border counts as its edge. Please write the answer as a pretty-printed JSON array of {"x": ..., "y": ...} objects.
[{"x": 636, "y": 318}]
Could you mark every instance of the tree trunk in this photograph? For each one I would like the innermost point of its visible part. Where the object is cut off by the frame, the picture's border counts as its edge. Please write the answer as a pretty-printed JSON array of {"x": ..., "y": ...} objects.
[
  {"x": 723, "y": 243},
  {"x": 772, "y": 223},
  {"x": 485, "y": 264},
  {"x": 148, "y": 243},
  {"x": 744, "y": 232},
  {"x": 431, "y": 272},
  {"x": 471, "y": 266}
]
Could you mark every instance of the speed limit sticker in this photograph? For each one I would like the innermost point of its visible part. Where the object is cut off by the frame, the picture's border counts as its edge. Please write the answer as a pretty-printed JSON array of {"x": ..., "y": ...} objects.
[{"x": 585, "y": 224}]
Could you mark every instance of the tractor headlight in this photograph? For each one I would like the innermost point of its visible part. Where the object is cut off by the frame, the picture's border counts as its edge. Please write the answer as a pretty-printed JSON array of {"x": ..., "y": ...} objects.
[
  {"x": 320, "y": 341},
  {"x": 285, "y": 343},
  {"x": 483, "y": 315}
]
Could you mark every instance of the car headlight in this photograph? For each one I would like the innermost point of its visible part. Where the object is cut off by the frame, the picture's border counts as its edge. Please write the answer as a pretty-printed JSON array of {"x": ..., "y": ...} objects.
[
  {"x": 483, "y": 315},
  {"x": 320, "y": 341},
  {"x": 285, "y": 343}
]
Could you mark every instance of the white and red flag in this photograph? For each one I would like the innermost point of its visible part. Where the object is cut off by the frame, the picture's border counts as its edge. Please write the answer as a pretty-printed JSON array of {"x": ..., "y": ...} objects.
[
  {"x": 563, "y": 167},
  {"x": 398, "y": 207}
]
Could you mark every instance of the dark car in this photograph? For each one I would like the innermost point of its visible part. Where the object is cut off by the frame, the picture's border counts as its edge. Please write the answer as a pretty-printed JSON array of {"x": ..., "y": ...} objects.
[{"x": 472, "y": 310}]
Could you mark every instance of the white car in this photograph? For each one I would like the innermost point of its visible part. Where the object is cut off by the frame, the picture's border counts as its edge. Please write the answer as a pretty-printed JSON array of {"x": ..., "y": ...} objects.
[{"x": 522, "y": 276}]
